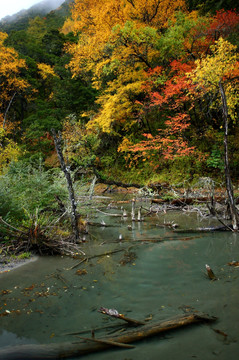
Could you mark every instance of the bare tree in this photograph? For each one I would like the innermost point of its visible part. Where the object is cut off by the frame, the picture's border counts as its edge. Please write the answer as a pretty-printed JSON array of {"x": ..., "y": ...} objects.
[
  {"x": 66, "y": 170},
  {"x": 229, "y": 187}
]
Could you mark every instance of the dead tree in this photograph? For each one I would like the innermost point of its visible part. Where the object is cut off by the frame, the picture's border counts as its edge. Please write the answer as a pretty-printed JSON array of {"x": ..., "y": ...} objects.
[
  {"x": 90, "y": 345},
  {"x": 66, "y": 170},
  {"x": 231, "y": 200},
  {"x": 133, "y": 210},
  {"x": 8, "y": 107}
]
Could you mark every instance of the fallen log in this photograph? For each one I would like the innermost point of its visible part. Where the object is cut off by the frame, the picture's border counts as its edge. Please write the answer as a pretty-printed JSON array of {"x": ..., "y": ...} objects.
[
  {"x": 69, "y": 349},
  {"x": 200, "y": 230},
  {"x": 189, "y": 200}
]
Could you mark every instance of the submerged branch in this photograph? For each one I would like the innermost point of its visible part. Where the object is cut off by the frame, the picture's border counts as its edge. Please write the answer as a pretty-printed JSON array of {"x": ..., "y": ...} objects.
[{"x": 94, "y": 256}]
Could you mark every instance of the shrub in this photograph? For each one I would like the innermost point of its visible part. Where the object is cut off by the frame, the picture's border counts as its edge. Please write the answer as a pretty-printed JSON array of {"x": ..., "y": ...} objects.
[{"x": 26, "y": 189}]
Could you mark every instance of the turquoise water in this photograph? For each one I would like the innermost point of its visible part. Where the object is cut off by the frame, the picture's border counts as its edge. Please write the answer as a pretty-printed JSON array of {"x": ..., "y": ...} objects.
[{"x": 47, "y": 299}]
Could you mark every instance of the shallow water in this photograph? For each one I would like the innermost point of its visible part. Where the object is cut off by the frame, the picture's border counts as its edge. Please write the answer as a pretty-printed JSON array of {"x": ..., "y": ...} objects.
[{"x": 47, "y": 299}]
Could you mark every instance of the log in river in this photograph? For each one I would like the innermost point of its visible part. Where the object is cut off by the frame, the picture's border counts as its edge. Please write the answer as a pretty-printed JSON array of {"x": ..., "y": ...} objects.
[{"x": 86, "y": 346}]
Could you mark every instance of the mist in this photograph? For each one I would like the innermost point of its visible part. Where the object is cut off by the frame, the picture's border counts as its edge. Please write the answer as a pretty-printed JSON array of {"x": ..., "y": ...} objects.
[{"x": 12, "y": 7}]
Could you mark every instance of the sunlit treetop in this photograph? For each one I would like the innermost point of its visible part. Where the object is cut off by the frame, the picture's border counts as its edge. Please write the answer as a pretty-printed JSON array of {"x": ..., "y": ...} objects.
[
  {"x": 10, "y": 68},
  {"x": 221, "y": 65},
  {"x": 94, "y": 22}
]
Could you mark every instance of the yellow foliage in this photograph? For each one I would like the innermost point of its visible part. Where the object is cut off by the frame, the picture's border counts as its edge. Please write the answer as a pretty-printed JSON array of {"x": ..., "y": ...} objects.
[
  {"x": 46, "y": 71},
  {"x": 9, "y": 150},
  {"x": 117, "y": 40},
  {"x": 125, "y": 144},
  {"x": 94, "y": 21},
  {"x": 211, "y": 69},
  {"x": 117, "y": 102},
  {"x": 3, "y": 37},
  {"x": 220, "y": 65},
  {"x": 10, "y": 67},
  {"x": 68, "y": 26}
]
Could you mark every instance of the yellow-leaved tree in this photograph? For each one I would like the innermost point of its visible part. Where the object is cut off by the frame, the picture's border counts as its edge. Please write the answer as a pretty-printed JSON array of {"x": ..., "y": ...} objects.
[
  {"x": 117, "y": 44},
  {"x": 217, "y": 75},
  {"x": 11, "y": 84},
  {"x": 9, "y": 150}
]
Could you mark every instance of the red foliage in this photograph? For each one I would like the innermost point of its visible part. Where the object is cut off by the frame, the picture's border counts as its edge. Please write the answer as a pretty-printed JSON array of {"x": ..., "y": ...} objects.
[
  {"x": 170, "y": 97},
  {"x": 223, "y": 24},
  {"x": 173, "y": 93}
]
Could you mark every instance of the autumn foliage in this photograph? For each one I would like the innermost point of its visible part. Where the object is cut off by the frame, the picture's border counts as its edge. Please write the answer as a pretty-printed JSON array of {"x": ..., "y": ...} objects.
[
  {"x": 130, "y": 80},
  {"x": 11, "y": 83},
  {"x": 146, "y": 58}
]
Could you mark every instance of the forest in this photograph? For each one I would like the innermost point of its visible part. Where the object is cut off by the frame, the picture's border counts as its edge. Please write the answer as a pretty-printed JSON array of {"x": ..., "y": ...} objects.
[{"x": 138, "y": 92}]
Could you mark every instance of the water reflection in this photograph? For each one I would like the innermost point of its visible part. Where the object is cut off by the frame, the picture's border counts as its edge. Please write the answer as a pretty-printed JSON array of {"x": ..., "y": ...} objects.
[{"x": 10, "y": 339}]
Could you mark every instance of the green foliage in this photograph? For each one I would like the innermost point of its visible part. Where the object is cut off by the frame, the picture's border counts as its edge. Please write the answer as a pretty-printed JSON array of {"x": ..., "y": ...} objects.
[
  {"x": 24, "y": 255},
  {"x": 215, "y": 160},
  {"x": 171, "y": 43},
  {"x": 26, "y": 190}
]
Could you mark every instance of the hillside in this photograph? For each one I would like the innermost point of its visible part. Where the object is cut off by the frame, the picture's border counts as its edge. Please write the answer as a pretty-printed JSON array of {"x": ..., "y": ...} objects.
[
  {"x": 20, "y": 20},
  {"x": 124, "y": 84}
]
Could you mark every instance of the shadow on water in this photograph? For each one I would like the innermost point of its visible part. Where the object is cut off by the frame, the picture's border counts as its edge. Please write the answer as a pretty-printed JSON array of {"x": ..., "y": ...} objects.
[{"x": 158, "y": 273}]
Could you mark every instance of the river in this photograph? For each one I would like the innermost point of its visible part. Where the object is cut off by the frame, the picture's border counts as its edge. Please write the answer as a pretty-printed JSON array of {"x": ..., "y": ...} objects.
[{"x": 158, "y": 273}]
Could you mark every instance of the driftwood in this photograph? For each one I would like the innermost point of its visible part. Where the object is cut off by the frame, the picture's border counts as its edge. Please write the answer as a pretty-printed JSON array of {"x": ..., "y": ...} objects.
[
  {"x": 114, "y": 313},
  {"x": 109, "y": 214},
  {"x": 69, "y": 349},
  {"x": 95, "y": 256},
  {"x": 233, "y": 263},
  {"x": 180, "y": 201},
  {"x": 193, "y": 200}
]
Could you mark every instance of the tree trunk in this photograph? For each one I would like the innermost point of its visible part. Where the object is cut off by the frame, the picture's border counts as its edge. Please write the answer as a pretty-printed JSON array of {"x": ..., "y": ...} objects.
[
  {"x": 76, "y": 349},
  {"x": 133, "y": 210},
  {"x": 92, "y": 187},
  {"x": 231, "y": 200},
  {"x": 66, "y": 170},
  {"x": 9, "y": 105}
]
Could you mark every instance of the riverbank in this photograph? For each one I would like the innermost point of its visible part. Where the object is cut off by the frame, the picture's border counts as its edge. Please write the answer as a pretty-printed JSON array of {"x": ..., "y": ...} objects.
[{"x": 9, "y": 263}]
